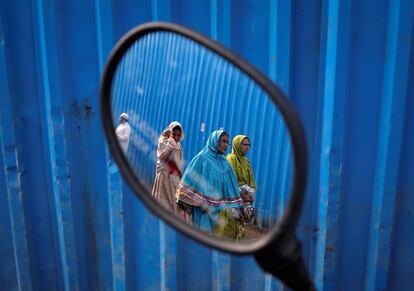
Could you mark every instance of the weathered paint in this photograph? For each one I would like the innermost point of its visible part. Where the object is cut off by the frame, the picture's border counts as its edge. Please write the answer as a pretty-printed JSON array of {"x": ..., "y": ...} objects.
[
  {"x": 16, "y": 266},
  {"x": 67, "y": 220}
]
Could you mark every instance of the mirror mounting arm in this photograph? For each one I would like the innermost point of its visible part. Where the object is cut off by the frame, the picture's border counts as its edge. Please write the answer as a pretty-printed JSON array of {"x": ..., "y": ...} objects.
[{"x": 283, "y": 258}]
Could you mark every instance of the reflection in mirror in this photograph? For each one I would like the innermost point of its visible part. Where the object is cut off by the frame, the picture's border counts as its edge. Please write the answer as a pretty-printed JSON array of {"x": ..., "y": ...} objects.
[{"x": 208, "y": 142}]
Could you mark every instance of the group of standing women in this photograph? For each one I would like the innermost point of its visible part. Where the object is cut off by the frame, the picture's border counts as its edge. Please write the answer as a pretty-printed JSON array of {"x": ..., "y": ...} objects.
[{"x": 214, "y": 193}]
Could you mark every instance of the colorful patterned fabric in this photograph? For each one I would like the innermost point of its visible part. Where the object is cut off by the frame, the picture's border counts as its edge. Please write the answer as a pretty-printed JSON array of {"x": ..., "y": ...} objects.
[{"x": 209, "y": 185}]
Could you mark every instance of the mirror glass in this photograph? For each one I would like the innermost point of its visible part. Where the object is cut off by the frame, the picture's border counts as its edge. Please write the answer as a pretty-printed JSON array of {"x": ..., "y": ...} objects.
[{"x": 207, "y": 141}]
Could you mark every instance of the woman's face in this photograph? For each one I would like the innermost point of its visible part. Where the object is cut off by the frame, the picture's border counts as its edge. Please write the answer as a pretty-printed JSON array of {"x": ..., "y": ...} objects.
[
  {"x": 245, "y": 146},
  {"x": 223, "y": 144},
  {"x": 176, "y": 134}
]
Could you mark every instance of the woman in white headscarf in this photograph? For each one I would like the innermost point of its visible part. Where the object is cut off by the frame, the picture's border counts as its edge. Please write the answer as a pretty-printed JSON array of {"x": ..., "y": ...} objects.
[
  {"x": 123, "y": 132},
  {"x": 169, "y": 168}
]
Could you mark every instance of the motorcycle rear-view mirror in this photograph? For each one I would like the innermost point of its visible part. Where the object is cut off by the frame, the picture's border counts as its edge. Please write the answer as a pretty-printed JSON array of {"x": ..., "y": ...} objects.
[{"x": 235, "y": 181}]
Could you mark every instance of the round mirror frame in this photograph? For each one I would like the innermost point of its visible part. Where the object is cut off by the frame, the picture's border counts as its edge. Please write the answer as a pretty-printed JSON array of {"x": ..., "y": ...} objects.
[{"x": 287, "y": 223}]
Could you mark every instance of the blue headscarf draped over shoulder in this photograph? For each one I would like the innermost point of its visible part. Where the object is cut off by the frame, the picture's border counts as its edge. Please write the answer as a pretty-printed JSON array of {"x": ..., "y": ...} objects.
[{"x": 209, "y": 181}]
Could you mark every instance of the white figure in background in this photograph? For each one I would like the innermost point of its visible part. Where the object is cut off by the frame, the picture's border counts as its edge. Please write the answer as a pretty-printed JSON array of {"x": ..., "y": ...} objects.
[{"x": 123, "y": 132}]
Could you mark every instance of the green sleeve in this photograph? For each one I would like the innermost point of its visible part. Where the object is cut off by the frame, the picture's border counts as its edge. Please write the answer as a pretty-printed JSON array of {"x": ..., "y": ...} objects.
[
  {"x": 253, "y": 181},
  {"x": 232, "y": 162}
]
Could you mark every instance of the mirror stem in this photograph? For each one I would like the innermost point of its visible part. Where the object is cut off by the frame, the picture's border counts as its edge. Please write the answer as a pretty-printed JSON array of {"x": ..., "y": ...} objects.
[{"x": 286, "y": 263}]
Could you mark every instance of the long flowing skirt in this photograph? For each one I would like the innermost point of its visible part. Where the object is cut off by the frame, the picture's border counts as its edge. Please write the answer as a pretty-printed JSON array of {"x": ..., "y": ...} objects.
[{"x": 165, "y": 186}]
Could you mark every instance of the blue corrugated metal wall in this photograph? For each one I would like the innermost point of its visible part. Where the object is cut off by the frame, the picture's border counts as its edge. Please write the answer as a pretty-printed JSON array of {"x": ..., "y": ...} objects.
[{"x": 68, "y": 222}]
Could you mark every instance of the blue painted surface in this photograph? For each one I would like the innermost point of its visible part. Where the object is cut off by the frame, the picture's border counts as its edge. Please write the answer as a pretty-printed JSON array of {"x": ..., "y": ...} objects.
[
  {"x": 16, "y": 267},
  {"x": 394, "y": 92},
  {"x": 67, "y": 221}
]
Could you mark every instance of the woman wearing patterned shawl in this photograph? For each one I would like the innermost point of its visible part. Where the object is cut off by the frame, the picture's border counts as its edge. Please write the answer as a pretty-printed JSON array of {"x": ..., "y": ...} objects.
[
  {"x": 169, "y": 168},
  {"x": 244, "y": 173},
  {"x": 209, "y": 188}
]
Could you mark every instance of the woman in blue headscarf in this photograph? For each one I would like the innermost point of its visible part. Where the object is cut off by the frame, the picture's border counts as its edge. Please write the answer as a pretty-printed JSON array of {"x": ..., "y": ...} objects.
[{"x": 209, "y": 187}]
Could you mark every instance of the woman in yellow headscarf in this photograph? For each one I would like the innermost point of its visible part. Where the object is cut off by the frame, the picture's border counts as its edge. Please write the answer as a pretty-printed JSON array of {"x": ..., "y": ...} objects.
[{"x": 244, "y": 173}]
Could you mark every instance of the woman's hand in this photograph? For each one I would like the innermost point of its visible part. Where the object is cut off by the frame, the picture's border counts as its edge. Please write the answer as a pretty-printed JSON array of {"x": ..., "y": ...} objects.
[
  {"x": 167, "y": 133},
  {"x": 251, "y": 197},
  {"x": 245, "y": 196}
]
